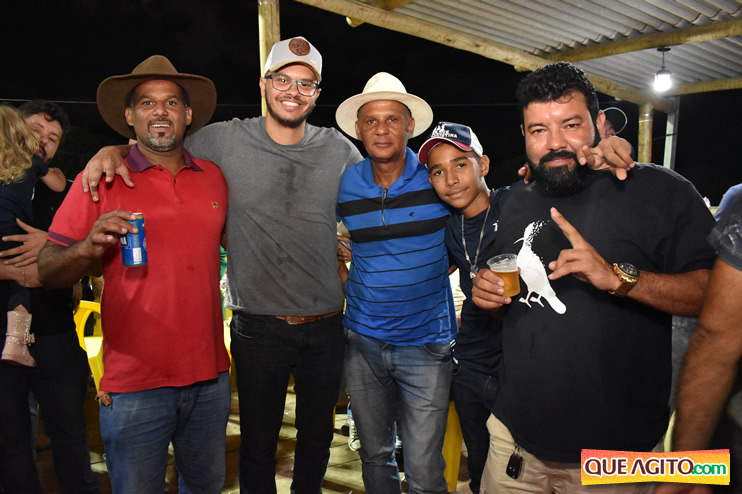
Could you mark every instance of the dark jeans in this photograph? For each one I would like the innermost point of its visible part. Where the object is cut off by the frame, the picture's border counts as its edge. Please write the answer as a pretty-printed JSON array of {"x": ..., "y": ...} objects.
[
  {"x": 265, "y": 352},
  {"x": 474, "y": 396},
  {"x": 59, "y": 382}
]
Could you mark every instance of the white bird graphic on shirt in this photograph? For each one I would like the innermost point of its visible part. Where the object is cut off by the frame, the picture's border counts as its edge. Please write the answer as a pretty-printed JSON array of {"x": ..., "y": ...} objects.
[{"x": 533, "y": 273}]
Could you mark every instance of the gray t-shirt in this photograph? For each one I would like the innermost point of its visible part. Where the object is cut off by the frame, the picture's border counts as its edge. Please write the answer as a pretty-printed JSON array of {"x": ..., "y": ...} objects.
[{"x": 282, "y": 250}]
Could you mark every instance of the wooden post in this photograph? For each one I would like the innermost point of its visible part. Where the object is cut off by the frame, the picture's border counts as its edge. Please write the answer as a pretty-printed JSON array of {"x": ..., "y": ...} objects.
[
  {"x": 671, "y": 141},
  {"x": 269, "y": 33},
  {"x": 644, "y": 154}
]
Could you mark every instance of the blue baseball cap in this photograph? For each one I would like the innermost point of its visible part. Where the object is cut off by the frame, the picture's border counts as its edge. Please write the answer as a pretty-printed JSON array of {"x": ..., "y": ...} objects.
[{"x": 459, "y": 135}]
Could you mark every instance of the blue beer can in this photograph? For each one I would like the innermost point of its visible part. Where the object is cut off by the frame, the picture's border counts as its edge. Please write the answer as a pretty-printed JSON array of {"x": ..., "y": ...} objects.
[{"x": 134, "y": 245}]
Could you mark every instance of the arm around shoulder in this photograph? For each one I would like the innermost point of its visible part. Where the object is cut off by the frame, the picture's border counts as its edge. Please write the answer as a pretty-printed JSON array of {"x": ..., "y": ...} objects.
[{"x": 109, "y": 161}]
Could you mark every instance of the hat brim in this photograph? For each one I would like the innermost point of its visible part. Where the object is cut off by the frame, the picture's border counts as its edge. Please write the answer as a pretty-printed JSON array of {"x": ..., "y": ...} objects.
[
  {"x": 347, "y": 113},
  {"x": 112, "y": 94},
  {"x": 276, "y": 67},
  {"x": 428, "y": 146}
]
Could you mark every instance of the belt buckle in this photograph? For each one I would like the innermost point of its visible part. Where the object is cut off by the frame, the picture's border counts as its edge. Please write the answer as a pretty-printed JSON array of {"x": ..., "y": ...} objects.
[{"x": 290, "y": 320}]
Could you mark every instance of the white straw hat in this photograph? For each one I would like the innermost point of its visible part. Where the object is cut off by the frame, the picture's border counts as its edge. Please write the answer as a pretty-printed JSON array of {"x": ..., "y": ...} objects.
[{"x": 383, "y": 86}]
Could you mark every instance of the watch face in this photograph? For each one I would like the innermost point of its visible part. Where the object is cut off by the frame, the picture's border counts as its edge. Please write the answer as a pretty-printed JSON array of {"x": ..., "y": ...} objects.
[{"x": 628, "y": 268}]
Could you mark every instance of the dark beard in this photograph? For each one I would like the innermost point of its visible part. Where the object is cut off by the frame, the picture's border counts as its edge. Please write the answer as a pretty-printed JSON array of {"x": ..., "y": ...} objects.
[
  {"x": 560, "y": 181},
  {"x": 292, "y": 124}
]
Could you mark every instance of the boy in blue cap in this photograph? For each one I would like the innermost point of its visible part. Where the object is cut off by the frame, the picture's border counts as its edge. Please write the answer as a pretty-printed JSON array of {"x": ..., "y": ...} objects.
[{"x": 457, "y": 166}]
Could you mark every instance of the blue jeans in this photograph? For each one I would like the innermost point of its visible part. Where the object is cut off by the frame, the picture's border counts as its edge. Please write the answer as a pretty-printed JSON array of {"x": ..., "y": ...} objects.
[
  {"x": 265, "y": 352},
  {"x": 59, "y": 382},
  {"x": 474, "y": 395},
  {"x": 138, "y": 427},
  {"x": 407, "y": 384}
]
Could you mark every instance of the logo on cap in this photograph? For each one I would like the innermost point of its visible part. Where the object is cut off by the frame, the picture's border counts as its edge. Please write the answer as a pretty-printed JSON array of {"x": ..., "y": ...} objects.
[
  {"x": 299, "y": 47},
  {"x": 442, "y": 131}
]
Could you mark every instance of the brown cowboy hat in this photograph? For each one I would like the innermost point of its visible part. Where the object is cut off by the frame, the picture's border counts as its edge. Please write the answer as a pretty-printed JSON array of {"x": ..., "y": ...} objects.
[{"x": 112, "y": 93}]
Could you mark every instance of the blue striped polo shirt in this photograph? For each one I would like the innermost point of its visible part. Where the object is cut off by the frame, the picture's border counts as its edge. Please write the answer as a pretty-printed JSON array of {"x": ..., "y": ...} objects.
[{"x": 398, "y": 289}]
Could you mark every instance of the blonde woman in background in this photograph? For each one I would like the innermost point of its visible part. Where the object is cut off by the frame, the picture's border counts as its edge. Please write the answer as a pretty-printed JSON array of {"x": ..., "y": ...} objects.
[{"x": 20, "y": 168}]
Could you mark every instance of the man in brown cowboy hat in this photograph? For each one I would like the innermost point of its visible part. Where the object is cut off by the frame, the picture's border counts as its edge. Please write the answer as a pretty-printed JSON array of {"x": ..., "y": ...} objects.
[
  {"x": 283, "y": 286},
  {"x": 166, "y": 366}
]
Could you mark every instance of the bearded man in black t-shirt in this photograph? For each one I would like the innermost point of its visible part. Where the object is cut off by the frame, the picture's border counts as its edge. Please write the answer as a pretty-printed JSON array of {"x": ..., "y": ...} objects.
[{"x": 603, "y": 265}]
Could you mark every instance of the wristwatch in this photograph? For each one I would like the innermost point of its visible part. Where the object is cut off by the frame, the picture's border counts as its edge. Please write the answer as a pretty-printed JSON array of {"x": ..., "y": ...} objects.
[{"x": 628, "y": 274}]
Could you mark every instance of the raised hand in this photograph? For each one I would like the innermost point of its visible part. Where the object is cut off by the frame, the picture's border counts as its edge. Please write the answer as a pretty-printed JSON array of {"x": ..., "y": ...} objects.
[
  {"x": 612, "y": 154},
  {"x": 582, "y": 260}
]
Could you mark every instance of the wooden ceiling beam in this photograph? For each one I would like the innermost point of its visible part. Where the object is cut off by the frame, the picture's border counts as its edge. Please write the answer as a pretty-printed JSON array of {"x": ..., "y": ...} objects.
[
  {"x": 474, "y": 44},
  {"x": 381, "y": 4},
  {"x": 706, "y": 86},
  {"x": 695, "y": 34}
]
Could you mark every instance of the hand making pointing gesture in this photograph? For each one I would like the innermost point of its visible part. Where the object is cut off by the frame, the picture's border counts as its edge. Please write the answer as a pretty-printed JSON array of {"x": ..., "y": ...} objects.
[
  {"x": 612, "y": 154},
  {"x": 582, "y": 260}
]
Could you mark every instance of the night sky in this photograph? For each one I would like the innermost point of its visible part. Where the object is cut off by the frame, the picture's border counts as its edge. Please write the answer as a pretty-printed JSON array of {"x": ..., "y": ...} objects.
[{"x": 62, "y": 50}]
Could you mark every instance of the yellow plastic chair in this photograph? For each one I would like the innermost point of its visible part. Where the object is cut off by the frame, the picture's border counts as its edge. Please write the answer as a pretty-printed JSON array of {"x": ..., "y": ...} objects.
[
  {"x": 452, "y": 448},
  {"x": 93, "y": 345},
  {"x": 81, "y": 316}
]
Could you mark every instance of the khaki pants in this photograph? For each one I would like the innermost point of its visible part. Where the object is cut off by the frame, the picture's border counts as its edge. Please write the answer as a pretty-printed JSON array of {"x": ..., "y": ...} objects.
[{"x": 538, "y": 476}]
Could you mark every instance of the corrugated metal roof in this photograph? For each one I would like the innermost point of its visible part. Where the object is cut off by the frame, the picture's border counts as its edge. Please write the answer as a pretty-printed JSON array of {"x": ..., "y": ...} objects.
[{"x": 544, "y": 27}]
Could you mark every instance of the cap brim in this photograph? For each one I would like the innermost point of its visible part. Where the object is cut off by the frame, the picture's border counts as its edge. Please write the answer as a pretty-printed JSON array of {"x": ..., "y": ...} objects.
[
  {"x": 428, "y": 145},
  {"x": 279, "y": 66},
  {"x": 112, "y": 94},
  {"x": 347, "y": 113}
]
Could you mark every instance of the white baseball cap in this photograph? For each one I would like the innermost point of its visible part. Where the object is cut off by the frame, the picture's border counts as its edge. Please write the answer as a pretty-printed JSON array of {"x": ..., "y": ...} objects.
[{"x": 294, "y": 50}]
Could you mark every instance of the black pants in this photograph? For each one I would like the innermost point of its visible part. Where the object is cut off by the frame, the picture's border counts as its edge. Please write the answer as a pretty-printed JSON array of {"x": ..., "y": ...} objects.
[
  {"x": 265, "y": 352},
  {"x": 474, "y": 396},
  {"x": 59, "y": 382}
]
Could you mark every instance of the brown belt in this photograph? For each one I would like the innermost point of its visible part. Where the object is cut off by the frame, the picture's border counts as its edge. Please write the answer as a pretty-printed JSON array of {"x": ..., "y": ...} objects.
[{"x": 305, "y": 319}]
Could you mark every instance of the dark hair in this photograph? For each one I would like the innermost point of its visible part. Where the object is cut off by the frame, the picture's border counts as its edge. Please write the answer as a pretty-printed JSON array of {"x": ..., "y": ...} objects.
[
  {"x": 551, "y": 82},
  {"x": 130, "y": 96},
  {"x": 53, "y": 110}
]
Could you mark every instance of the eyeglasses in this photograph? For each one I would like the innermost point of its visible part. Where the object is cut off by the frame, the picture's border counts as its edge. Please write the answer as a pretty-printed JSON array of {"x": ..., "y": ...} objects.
[{"x": 281, "y": 82}]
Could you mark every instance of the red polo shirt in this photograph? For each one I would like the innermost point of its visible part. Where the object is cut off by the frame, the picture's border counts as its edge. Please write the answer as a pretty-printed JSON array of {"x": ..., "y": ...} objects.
[{"x": 162, "y": 322}]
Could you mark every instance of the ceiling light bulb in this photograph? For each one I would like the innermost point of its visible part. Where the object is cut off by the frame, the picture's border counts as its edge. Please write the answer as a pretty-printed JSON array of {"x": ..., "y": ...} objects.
[{"x": 662, "y": 80}]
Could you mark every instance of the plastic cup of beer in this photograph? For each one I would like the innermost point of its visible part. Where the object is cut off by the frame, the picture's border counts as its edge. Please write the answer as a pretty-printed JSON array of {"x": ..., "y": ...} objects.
[{"x": 506, "y": 267}]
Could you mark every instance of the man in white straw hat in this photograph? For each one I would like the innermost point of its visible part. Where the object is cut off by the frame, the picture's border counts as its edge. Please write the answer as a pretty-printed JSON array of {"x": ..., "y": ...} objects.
[
  {"x": 283, "y": 286},
  {"x": 166, "y": 373},
  {"x": 400, "y": 310}
]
